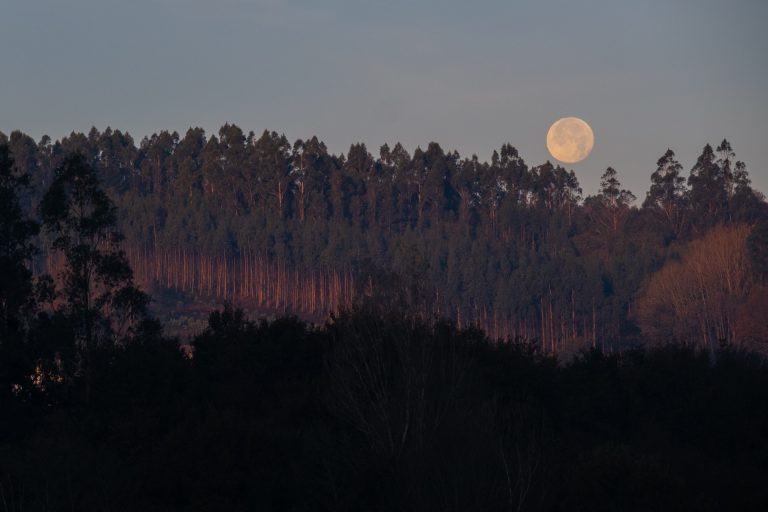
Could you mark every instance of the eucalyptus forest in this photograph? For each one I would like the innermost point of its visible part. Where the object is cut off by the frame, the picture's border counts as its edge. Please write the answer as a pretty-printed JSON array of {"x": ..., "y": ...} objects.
[
  {"x": 237, "y": 321},
  {"x": 280, "y": 227}
]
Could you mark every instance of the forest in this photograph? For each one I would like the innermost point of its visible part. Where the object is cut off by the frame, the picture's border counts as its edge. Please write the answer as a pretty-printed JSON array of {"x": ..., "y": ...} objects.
[
  {"x": 401, "y": 332},
  {"x": 277, "y": 227}
]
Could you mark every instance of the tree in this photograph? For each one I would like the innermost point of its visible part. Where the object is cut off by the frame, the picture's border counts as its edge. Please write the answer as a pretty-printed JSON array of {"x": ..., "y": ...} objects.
[
  {"x": 25, "y": 163},
  {"x": 708, "y": 189},
  {"x": 117, "y": 155},
  {"x": 16, "y": 247},
  {"x": 744, "y": 203},
  {"x": 667, "y": 194},
  {"x": 726, "y": 163},
  {"x": 696, "y": 300},
  {"x": 613, "y": 202},
  {"x": 16, "y": 251},
  {"x": 271, "y": 156},
  {"x": 99, "y": 297},
  {"x": 757, "y": 246}
]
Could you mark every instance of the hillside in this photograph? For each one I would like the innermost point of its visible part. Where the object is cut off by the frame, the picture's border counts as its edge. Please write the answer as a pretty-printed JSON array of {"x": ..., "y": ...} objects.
[{"x": 280, "y": 227}]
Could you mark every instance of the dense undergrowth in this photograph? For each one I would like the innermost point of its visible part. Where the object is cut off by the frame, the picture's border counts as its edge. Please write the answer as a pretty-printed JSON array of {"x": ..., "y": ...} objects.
[{"x": 376, "y": 411}]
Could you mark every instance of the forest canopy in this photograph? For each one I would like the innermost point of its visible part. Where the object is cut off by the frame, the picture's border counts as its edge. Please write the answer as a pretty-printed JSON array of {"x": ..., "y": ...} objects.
[{"x": 280, "y": 226}]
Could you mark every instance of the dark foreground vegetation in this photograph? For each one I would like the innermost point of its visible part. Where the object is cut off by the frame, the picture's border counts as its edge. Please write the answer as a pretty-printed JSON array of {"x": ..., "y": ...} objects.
[
  {"x": 381, "y": 412},
  {"x": 383, "y": 407}
]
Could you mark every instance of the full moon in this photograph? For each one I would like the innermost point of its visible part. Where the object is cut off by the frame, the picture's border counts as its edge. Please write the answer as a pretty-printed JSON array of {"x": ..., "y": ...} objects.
[{"x": 570, "y": 140}]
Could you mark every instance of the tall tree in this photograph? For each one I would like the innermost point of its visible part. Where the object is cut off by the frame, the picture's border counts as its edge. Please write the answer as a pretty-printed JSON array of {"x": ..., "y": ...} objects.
[
  {"x": 16, "y": 251},
  {"x": 668, "y": 194},
  {"x": 99, "y": 296},
  {"x": 726, "y": 162},
  {"x": 708, "y": 190},
  {"x": 613, "y": 201},
  {"x": 16, "y": 246}
]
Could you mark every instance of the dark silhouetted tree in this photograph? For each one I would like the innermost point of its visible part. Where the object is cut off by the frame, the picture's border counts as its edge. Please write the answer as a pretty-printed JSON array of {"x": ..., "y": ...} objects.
[
  {"x": 99, "y": 297},
  {"x": 612, "y": 204},
  {"x": 668, "y": 194},
  {"x": 16, "y": 291},
  {"x": 709, "y": 198},
  {"x": 16, "y": 247}
]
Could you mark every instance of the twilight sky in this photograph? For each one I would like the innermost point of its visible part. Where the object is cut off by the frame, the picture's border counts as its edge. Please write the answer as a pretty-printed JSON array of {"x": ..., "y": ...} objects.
[{"x": 646, "y": 75}]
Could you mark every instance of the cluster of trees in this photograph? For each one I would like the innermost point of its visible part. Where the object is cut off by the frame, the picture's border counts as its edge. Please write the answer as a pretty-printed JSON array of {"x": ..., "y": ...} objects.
[
  {"x": 709, "y": 295},
  {"x": 378, "y": 409},
  {"x": 385, "y": 412},
  {"x": 513, "y": 248}
]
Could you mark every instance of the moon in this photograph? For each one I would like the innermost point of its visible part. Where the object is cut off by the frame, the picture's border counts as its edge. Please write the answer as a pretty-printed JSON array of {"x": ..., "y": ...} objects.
[{"x": 570, "y": 140}]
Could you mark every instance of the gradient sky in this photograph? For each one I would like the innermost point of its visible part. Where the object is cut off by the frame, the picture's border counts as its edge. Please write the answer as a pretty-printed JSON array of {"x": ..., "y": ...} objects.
[{"x": 646, "y": 75}]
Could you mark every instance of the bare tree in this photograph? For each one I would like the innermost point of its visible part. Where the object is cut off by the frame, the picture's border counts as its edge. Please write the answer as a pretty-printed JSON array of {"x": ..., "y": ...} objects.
[{"x": 696, "y": 300}]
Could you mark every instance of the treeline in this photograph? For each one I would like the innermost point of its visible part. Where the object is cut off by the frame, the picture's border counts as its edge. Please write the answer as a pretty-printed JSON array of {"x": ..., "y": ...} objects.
[{"x": 513, "y": 248}]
